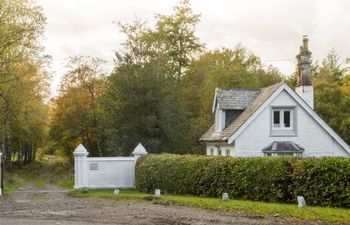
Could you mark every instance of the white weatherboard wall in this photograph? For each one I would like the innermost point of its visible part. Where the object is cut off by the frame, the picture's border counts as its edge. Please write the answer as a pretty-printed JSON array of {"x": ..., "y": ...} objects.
[
  {"x": 105, "y": 172},
  {"x": 310, "y": 135}
]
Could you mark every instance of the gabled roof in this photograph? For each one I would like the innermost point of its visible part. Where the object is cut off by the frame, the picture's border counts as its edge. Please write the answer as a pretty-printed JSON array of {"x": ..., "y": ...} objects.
[
  {"x": 236, "y": 99},
  {"x": 283, "y": 146},
  {"x": 261, "y": 97},
  {"x": 283, "y": 86},
  {"x": 264, "y": 98}
]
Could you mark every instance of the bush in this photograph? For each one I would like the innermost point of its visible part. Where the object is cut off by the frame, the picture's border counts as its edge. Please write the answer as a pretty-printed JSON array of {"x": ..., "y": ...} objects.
[{"x": 322, "y": 181}]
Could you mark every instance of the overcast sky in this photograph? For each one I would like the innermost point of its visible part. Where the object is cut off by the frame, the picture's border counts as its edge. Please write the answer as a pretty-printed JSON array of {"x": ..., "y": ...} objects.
[{"x": 272, "y": 29}]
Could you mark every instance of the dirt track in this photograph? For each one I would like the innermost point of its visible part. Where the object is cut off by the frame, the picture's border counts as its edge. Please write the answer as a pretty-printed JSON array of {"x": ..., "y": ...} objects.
[{"x": 53, "y": 206}]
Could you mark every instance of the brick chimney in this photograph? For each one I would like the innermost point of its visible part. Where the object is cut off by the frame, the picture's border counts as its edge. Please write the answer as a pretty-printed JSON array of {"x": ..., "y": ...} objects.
[{"x": 304, "y": 79}]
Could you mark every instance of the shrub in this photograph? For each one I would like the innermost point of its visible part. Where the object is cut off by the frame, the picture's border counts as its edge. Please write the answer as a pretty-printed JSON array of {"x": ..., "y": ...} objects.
[{"x": 322, "y": 181}]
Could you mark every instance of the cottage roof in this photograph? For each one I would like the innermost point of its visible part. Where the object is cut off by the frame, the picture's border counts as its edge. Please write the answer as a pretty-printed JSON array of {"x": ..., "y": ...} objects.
[
  {"x": 261, "y": 95},
  {"x": 235, "y": 98},
  {"x": 283, "y": 146}
]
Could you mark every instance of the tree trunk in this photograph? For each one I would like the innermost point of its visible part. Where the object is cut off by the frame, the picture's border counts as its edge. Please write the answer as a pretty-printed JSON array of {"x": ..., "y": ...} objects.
[{"x": 20, "y": 156}]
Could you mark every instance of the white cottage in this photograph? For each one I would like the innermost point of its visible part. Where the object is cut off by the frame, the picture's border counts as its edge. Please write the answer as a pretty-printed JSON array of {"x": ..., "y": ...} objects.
[{"x": 272, "y": 121}]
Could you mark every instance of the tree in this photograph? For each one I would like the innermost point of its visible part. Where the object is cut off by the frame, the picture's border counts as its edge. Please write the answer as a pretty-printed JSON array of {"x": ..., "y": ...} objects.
[
  {"x": 225, "y": 68},
  {"x": 76, "y": 114},
  {"x": 332, "y": 100},
  {"x": 23, "y": 80},
  {"x": 172, "y": 41},
  {"x": 143, "y": 98}
]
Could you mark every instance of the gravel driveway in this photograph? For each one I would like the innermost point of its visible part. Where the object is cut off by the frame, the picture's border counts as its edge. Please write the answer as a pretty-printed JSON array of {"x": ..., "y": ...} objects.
[{"x": 52, "y": 206}]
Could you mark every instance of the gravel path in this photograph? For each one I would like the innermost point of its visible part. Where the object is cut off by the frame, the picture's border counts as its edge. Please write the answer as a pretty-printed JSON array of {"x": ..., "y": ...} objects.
[{"x": 52, "y": 206}]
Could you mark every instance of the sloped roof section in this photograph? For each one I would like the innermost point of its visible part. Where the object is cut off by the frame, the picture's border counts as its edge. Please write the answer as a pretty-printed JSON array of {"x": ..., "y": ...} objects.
[
  {"x": 283, "y": 146},
  {"x": 236, "y": 98},
  {"x": 261, "y": 97}
]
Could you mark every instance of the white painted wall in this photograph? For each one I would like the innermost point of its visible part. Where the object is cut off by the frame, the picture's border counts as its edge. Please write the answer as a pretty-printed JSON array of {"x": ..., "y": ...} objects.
[
  {"x": 219, "y": 119},
  {"x": 310, "y": 135},
  {"x": 223, "y": 148},
  {"x": 307, "y": 94},
  {"x": 105, "y": 172},
  {"x": 111, "y": 172}
]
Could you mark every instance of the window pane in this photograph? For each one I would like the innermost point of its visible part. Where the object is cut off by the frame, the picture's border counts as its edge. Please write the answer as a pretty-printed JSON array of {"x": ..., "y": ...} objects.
[
  {"x": 227, "y": 152},
  {"x": 219, "y": 152},
  {"x": 211, "y": 151},
  {"x": 286, "y": 118},
  {"x": 276, "y": 118}
]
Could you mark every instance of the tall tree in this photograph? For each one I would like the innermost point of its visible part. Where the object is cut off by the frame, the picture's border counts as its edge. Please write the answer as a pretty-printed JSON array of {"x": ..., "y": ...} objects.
[
  {"x": 23, "y": 80},
  {"x": 225, "y": 68},
  {"x": 152, "y": 64},
  {"x": 76, "y": 114}
]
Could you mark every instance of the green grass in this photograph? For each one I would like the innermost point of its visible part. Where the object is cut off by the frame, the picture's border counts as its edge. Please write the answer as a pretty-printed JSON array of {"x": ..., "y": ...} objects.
[
  {"x": 39, "y": 184},
  {"x": 50, "y": 170},
  {"x": 17, "y": 178},
  {"x": 308, "y": 213}
]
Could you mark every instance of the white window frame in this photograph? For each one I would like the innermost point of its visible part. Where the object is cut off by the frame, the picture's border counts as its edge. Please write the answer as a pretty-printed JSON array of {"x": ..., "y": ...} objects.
[
  {"x": 282, "y": 125},
  {"x": 219, "y": 152},
  {"x": 211, "y": 151},
  {"x": 281, "y": 130}
]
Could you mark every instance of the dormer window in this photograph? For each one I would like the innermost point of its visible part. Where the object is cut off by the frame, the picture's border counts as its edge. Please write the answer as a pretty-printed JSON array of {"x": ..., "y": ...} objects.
[{"x": 283, "y": 121}]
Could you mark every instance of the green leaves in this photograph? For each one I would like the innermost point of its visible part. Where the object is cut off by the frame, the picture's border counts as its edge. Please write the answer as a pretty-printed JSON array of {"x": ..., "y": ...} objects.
[
  {"x": 23, "y": 80},
  {"x": 322, "y": 181}
]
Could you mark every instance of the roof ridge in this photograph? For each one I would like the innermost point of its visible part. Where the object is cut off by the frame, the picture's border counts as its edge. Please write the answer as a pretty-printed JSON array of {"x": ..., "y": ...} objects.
[
  {"x": 231, "y": 89},
  {"x": 251, "y": 89}
]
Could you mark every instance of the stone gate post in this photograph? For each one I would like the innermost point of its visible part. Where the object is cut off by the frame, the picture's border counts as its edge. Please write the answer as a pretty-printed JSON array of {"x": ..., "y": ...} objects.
[{"x": 80, "y": 167}]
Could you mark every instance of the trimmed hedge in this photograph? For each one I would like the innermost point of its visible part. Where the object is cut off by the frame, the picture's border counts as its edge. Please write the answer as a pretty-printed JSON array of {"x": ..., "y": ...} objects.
[{"x": 322, "y": 181}]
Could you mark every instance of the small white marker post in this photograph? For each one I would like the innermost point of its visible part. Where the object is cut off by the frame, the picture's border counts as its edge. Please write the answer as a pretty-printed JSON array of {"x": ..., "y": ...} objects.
[
  {"x": 301, "y": 201},
  {"x": 116, "y": 191},
  {"x": 225, "y": 196},
  {"x": 157, "y": 192}
]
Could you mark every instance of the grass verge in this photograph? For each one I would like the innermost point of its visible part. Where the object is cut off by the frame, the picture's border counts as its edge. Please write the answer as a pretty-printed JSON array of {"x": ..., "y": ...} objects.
[
  {"x": 50, "y": 170},
  {"x": 308, "y": 213}
]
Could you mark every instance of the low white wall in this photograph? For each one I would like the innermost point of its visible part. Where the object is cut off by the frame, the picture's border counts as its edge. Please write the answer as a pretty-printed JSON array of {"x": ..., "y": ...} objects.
[
  {"x": 111, "y": 172},
  {"x": 105, "y": 172}
]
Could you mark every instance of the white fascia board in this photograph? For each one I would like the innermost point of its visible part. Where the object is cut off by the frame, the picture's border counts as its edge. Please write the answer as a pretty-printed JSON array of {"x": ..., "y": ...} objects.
[{"x": 304, "y": 105}]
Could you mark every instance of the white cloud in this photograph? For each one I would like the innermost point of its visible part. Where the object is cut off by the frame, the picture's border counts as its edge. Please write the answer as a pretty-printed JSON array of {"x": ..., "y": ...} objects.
[{"x": 272, "y": 29}]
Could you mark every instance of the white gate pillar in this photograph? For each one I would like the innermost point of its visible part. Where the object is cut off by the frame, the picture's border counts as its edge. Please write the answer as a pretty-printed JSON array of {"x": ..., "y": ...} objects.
[
  {"x": 80, "y": 167},
  {"x": 1, "y": 178},
  {"x": 139, "y": 151}
]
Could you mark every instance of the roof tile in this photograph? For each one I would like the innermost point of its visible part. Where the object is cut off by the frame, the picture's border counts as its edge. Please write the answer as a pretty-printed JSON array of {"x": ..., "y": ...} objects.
[{"x": 261, "y": 97}]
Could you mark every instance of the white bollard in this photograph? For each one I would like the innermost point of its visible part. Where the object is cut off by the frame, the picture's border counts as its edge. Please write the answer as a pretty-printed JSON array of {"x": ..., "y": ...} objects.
[
  {"x": 301, "y": 201},
  {"x": 116, "y": 191},
  {"x": 157, "y": 192},
  {"x": 225, "y": 196}
]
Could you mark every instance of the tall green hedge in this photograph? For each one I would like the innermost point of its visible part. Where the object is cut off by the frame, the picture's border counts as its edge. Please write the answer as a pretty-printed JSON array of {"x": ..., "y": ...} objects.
[{"x": 322, "y": 181}]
